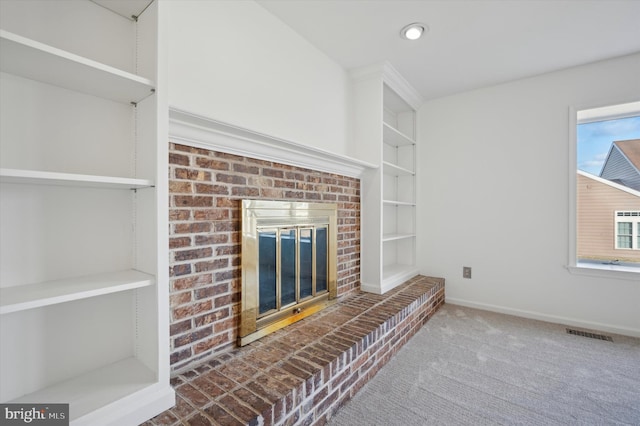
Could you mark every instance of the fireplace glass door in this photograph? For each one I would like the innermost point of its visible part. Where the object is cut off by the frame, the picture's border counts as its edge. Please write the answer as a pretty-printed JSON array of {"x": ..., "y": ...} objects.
[
  {"x": 289, "y": 258},
  {"x": 292, "y": 266}
]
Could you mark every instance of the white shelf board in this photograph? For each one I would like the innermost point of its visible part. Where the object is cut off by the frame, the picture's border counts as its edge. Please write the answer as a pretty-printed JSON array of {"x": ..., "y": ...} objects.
[
  {"x": 395, "y": 237},
  {"x": 95, "y": 389},
  {"x": 37, "y": 61},
  {"x": 394, "y": 170},
  {"x": 398, "y": 203},
  {"x": 394, "y": 137},
  {"x": 71, "y": 179},
  {"x": 30, "y": 296}
]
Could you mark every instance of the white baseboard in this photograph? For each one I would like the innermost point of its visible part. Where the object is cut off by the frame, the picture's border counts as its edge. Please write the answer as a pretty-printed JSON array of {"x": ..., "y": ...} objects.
[{"x": 545, "y": 317}]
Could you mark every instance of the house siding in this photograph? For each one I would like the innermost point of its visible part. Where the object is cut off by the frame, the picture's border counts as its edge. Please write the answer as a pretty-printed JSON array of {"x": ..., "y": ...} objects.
[
  {"x": 597, "y": 204},
  {"x": 618, "y": 168}
]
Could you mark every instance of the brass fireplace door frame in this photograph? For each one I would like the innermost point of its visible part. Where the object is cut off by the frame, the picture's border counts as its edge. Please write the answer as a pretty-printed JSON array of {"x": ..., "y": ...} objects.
[{"x": 258, "y": 214}]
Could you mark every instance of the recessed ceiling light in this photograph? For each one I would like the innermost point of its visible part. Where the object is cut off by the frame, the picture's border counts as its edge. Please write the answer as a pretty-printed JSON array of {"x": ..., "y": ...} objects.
[{"x": 413, "y": 31}]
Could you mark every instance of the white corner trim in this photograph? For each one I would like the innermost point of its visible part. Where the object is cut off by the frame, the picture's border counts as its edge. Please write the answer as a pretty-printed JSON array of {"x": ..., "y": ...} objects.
[
  {"x": 626, "y": 331},
  {"x": 202, "y": 132},
  {"x": 390, "y": 76},
  {"x": 401, "y": 86}
]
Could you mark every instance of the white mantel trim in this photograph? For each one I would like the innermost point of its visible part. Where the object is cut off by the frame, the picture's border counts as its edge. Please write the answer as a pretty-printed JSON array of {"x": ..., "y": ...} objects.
[{"x": 202, "y": 132}]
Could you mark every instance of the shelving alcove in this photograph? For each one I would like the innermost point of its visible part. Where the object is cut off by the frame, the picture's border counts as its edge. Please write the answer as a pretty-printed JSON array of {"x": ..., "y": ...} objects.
[
  {"x": 385, "y": 135},
  {"x": 83, "y": 215}
]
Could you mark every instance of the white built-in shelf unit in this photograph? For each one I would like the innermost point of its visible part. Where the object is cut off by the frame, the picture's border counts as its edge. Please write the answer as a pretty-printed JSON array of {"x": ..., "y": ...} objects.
[
  {"x": 83, "y": 219},
  {"x": 386, "y": 132}
]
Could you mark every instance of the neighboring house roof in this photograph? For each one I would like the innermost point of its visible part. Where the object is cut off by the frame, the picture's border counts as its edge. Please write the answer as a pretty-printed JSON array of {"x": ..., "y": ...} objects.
[
  {"x": 623, "y": 163},
  {"x": 610, "y": 183},
  {"x": 631, "y": 149}
]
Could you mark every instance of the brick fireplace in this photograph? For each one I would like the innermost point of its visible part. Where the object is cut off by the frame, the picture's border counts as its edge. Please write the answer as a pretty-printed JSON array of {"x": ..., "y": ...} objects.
[
  {"x": 206, "y": 188},
  {"x": 300, "y": 374}
]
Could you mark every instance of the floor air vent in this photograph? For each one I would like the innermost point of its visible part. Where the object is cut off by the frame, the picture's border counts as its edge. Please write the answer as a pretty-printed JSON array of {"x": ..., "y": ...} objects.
[{"x": 590, "y": 335}]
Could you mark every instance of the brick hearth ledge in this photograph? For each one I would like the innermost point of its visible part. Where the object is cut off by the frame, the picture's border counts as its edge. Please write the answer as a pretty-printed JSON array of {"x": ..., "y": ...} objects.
[{"x": 302, "y": 374}]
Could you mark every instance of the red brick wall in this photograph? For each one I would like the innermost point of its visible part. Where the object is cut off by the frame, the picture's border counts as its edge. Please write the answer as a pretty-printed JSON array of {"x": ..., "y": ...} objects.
[{"x": 205, "y": 189}]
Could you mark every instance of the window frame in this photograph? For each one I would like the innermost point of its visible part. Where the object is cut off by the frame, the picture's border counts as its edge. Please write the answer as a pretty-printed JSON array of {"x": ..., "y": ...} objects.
[
  {"x": 632, "y": 217},
  {"x": 591, "y": 113}
]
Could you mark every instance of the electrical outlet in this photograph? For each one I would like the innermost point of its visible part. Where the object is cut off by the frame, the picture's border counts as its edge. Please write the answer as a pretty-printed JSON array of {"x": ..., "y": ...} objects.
[{"x": 466, "y": 272}]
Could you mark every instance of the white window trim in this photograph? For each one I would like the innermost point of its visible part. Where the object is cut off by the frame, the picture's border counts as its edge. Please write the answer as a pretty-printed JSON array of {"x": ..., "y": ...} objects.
[
  {"x": 626, "y": 217},
  {"x": 620, "y": 109}
]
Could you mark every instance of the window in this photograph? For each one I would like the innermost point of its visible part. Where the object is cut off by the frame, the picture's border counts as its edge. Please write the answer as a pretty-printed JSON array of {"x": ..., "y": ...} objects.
[
  {"x": 628, "y": 230},
  {"x": 605, "y": 185}
]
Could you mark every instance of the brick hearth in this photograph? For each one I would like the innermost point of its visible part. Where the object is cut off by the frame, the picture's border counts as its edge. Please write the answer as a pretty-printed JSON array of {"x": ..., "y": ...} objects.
[{"x": 302, "y": 374}]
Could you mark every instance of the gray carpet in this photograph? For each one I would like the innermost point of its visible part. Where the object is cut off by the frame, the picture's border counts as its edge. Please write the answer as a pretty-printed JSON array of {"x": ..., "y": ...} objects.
[{"x": 471, "y": 367}]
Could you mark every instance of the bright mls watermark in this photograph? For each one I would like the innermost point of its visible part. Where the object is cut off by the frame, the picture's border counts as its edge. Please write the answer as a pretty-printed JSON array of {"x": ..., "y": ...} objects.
[{"x": 34, "y": 414}]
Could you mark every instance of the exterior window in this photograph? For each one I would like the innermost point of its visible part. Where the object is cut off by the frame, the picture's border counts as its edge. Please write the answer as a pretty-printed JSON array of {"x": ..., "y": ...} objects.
[
  {"x": 607, "y": 188},
  {"x": 624, "y": 235},
  {"x": 628, "y": 230}
]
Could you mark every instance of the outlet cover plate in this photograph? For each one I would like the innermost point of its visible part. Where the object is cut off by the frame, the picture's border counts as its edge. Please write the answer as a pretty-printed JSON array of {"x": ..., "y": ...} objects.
[{"x": 466, "y": 272}]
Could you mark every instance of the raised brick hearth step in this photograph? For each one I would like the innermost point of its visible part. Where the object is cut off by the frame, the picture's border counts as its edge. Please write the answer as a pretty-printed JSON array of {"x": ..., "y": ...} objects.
[{"x": 303, "y": 373}]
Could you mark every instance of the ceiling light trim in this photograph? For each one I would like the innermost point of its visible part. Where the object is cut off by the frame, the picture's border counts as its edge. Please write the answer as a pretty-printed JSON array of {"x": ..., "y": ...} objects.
[{"x": 414, "y": 31}]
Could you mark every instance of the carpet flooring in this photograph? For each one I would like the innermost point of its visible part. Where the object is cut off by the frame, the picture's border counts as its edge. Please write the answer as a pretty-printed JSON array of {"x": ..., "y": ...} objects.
[{"x": 472, "y": 367}]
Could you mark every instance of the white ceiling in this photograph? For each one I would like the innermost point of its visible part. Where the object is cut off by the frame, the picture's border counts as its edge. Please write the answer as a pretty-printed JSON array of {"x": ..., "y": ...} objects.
[{"x": 471, "y": 43}]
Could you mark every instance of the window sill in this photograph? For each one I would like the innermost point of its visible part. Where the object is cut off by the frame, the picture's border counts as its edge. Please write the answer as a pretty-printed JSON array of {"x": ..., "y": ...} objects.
[{"x": 605, "y": 271}]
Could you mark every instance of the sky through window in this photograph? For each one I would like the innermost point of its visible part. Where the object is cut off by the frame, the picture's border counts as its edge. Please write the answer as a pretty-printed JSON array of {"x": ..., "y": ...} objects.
[{"x": 595, "y": 139}]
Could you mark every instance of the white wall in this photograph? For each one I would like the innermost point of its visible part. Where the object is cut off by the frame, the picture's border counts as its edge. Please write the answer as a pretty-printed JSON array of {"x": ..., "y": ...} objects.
[
  {"x": 494, "y": 185},
  {"x": 234, "y": 62}
]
